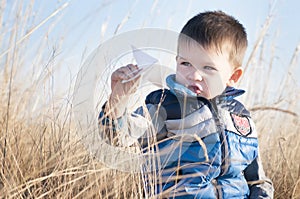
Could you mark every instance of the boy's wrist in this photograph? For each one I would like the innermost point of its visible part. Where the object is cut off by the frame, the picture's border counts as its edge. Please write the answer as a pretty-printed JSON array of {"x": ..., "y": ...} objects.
[{"x": 116, "y": 107}]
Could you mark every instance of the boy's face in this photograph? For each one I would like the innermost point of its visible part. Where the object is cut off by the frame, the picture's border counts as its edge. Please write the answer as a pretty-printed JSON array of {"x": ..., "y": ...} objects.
[{"x": 205, "y": 72}]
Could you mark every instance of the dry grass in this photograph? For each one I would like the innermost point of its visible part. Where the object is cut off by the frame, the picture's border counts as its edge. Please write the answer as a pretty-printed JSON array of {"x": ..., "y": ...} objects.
[
  {"x": 41, "y": 157},
  {"x": 276, "y": 116}
]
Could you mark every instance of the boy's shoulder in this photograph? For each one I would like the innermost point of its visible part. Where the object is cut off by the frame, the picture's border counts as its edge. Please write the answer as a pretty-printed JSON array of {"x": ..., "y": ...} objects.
[
  {"x": 238, "y": 119},
  {"x": 228, "y": 101},
  {"x": 236, "y": 107}
]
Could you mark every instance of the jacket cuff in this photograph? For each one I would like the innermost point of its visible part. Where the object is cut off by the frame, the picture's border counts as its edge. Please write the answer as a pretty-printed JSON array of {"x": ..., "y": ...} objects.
[{"x": 106, "y": 120}]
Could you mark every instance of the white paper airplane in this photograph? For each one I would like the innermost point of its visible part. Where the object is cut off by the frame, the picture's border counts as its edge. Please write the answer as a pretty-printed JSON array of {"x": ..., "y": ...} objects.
[{"x": 144, "y": 61}]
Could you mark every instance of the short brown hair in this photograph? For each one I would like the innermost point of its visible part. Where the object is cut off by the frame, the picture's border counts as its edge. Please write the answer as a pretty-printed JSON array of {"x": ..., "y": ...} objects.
[{"x": 216, "y": 30}]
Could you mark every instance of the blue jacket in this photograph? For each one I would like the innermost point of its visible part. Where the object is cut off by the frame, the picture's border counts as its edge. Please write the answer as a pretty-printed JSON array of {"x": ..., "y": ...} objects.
[
  {"x": 205, "y": 148},
  {"x": 208, "y": 148}
]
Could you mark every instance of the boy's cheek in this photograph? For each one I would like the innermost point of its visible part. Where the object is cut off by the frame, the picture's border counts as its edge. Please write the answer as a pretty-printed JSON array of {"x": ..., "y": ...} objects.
[
  {"x": 180, "y": 77},
  {"x": 215, "y": 86}
]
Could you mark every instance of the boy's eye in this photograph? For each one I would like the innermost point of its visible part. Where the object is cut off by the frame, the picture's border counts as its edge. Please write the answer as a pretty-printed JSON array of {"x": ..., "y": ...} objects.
[
  {"x": 209, "y": 68},
  {"x": 186, "y": 64}
]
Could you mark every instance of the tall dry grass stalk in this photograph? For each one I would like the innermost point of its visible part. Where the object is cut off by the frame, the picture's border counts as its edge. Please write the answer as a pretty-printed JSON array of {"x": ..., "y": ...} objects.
[{"x": 42, "y": 158}]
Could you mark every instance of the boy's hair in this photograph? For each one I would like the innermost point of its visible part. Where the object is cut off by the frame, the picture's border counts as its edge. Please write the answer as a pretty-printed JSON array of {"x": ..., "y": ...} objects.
[{"x": 215, "y": 30}]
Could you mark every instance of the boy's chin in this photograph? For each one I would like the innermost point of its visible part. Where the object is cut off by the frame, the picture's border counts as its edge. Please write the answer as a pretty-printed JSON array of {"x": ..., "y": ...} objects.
[
  {"x": 207, "y": 96},
  {"x": 203, "y": 95}
]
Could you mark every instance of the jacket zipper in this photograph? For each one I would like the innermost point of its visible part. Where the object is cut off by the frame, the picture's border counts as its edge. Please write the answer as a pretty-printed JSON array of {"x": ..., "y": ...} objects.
[{"x": 220, "y": 127}]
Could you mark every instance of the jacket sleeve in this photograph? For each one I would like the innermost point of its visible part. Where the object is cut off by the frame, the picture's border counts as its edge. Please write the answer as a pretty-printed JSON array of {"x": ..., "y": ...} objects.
[
  {"x": 260, "y": 186},
  {"x": 136, "y": 127},
  {"x": 123, "y": 131}
]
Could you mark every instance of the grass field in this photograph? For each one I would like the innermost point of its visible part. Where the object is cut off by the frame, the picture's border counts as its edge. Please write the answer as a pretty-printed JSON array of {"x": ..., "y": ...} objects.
[{"x": 42, "y": 158}]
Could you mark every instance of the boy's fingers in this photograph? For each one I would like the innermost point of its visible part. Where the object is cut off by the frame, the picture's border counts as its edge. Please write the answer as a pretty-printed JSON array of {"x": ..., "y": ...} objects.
[
  {"x": 130, "y": 70},
  {"x": 126, "y": 72}
]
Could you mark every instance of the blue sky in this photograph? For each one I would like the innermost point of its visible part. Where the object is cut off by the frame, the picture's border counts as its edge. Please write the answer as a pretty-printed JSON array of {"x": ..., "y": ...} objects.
[
  {"x": 78, "y": 28},
  {"x": 84, "y": 19}
]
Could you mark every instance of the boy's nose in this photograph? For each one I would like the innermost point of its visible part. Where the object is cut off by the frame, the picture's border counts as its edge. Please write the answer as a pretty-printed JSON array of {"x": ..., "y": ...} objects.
[{"x": 195, "y": 75}]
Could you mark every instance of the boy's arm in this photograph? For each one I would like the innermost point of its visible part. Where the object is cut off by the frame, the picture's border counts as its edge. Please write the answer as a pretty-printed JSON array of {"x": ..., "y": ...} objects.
[
  {"x": 260, "y": 186},
  {"x": 122, "y": 88},
  {"x": 114, "y": 122}
]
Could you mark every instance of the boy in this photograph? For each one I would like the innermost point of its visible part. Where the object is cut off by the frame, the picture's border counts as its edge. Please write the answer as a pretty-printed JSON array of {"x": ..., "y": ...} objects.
[{"x": 206, "y": 140}]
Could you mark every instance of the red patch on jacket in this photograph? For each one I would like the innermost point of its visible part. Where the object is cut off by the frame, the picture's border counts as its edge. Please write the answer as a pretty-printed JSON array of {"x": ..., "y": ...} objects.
[{"x": 241, "y": 123}]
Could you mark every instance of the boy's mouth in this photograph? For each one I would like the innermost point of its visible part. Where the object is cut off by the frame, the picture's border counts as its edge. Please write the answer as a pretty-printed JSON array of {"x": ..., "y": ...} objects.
[{"x": 196, "y": 89}]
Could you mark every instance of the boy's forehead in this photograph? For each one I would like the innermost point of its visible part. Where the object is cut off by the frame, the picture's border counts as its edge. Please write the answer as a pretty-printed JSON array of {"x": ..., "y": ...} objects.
[
  {"x": 191, "y": 43},
  {"x": 186, "y": 46},
  {"x": 187, "y": 43}
]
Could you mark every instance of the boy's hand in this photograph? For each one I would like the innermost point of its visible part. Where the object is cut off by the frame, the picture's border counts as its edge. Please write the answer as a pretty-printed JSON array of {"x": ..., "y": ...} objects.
[
  {"x": 123, "y": 73},
  {"x": 122, "y": 88}
]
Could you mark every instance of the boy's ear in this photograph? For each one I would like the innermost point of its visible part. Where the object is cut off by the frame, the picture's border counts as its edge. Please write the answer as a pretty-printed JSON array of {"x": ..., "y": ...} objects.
[{"x": 236, "y": 76}]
